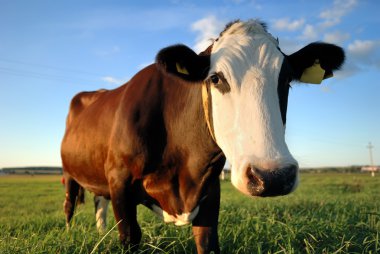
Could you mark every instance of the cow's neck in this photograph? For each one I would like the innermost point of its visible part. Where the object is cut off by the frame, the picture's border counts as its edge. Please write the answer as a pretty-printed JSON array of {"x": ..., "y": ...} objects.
[{"x": 191, "y": 159}]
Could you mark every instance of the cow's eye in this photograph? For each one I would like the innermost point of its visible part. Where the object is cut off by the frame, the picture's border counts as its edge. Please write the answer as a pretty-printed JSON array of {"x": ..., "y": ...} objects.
[
  {"x": 214, "y": 79},
  {"x": 219, "y": 82}
]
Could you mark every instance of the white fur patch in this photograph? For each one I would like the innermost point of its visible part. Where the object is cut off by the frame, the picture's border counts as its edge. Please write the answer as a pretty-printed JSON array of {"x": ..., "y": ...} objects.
[
  {"x": 247, "y": 121},
  {"x": 101, "y": 213},
  {"x": 178, "y": 220}
]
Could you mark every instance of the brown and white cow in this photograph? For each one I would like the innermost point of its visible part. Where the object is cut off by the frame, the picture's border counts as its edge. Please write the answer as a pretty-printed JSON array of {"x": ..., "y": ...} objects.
[{"x": 162, "y": 138}]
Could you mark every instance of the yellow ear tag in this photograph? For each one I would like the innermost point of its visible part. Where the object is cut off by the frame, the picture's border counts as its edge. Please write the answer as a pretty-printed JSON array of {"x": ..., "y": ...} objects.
[
  {"x": 181, "y": 69},
  {"x": 314, "y": 74}
]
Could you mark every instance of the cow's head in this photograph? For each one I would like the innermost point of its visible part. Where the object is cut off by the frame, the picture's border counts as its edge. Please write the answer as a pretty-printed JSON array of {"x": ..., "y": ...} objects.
[{"x": 247, "y": 77}]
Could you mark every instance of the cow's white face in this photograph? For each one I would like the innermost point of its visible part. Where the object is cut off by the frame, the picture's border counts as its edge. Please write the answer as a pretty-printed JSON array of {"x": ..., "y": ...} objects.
[
  {"x": 247, "y": 79},
  {"x": 244, "y": 78}
]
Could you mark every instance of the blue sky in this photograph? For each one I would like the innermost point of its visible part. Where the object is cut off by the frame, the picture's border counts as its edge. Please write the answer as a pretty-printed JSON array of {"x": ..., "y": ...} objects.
[{"x": 51, "y": 50}]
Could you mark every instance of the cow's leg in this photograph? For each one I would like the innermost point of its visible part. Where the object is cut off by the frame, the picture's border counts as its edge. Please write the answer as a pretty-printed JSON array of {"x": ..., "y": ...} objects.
[
  {"x": 205, "y": 224},
  {"x": 81, "y": 196},
  {"x": 72, "y": 189},
  {"x": 124, "y": 208},
  {"x": 101, "y": 207}
]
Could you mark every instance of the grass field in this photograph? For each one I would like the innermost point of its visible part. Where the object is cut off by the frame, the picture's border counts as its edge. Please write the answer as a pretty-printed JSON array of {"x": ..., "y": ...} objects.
[{"x": 328, "y": 213}]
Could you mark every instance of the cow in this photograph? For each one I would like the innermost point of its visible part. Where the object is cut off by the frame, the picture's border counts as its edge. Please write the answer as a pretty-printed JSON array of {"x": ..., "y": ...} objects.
[{"x": 162, "y": 138}]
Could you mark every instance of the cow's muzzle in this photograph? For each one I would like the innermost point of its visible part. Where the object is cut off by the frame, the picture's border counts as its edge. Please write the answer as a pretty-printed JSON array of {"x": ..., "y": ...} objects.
[{"x": 276, "y": 182}]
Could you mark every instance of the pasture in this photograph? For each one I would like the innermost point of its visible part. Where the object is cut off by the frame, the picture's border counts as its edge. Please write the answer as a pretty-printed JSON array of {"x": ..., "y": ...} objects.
[{"x": 328, "y": 213}]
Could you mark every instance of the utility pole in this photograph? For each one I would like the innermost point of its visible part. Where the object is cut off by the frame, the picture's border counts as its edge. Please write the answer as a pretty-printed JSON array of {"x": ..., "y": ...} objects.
[{"x": 370, "y": 146}]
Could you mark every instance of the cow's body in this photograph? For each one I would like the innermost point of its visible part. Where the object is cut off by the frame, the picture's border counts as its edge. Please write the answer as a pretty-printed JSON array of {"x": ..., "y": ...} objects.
[
  {"x": 143, "y": 139},
  {"x": 161, "y": 139}
]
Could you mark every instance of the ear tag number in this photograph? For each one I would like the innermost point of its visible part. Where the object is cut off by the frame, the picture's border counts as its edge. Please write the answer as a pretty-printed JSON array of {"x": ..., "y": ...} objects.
[
  {"x": 181, "y": 69},
  {"x": 314, "y": 74}
]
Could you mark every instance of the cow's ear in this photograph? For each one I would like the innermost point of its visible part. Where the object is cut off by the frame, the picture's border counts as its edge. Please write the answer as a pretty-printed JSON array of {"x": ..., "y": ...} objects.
[
  {"x": 316, "y": 62},
  {"x": 183, "y": 62}
]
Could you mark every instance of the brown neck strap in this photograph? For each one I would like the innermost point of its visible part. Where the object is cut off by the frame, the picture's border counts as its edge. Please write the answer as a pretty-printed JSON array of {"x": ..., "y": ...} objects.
[{"x": 207, "y": 108}]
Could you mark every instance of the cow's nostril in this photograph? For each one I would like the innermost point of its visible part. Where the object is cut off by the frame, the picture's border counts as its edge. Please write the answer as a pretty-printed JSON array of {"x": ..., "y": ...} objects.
[
  {"x": 279, "y": 181},
  {"x": 255, "y": 183},
  {"x": 267, "y": 183}
]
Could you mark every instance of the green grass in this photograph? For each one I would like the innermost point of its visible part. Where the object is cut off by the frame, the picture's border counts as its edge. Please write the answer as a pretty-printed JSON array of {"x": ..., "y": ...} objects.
[{"x": 329, "y": 213}]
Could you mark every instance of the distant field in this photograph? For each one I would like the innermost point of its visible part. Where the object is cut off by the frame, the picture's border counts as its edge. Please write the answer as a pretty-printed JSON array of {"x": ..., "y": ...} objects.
[{"x": 329, "y": 213}]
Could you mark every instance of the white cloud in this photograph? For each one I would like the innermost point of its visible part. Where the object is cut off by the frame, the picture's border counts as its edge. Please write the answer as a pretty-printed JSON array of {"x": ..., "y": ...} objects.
[
  {"x": 288, "y": 25},
  {"x": 330, "y": 16},
  {"x": 336, "y": 37},
  {"x": 207, "y": 28},
  {"x": 112, "y": 81},
  {"x": 365, "y": 52},
  {"x": 309, "y": 33},
  {"x": 361, "y": 55},
  {"x": 333, "y": 15},
  {"x": 361, "y": 48}
]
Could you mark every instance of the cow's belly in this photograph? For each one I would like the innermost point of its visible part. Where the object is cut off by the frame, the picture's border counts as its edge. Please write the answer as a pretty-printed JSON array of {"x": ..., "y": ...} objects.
[
  {"x": 93, "y": 183},
  {"x": 84, "y": 161},
  {"x": 99, "y": 190},
  {"x": 87, "y": 175}
]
